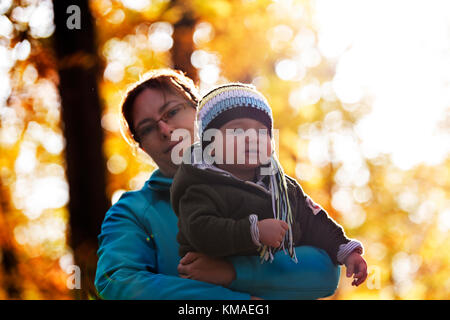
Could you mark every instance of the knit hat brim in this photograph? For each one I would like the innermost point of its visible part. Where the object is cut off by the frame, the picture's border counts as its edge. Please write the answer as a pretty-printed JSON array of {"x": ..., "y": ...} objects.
[{"x": 241, "y": 112}]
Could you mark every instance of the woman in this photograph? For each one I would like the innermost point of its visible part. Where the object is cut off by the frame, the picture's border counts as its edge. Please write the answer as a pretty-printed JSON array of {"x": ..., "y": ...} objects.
[{"x": 138, "y": 251}]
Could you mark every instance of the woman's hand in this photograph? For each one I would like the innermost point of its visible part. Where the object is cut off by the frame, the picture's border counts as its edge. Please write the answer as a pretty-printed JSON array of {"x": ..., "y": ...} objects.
[{"x": 201, "y": 267}]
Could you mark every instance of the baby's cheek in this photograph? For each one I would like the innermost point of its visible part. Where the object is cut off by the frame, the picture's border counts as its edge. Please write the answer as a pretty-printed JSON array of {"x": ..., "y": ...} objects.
[{"x": 265, "y": 151}]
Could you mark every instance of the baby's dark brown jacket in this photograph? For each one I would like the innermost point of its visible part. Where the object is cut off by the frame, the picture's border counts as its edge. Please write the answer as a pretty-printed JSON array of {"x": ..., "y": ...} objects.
[{"x": 213, "y": 214}]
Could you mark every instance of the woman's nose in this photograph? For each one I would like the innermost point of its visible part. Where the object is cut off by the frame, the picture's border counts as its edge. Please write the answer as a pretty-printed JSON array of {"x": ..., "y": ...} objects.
[{"x": 165, "y": 129}]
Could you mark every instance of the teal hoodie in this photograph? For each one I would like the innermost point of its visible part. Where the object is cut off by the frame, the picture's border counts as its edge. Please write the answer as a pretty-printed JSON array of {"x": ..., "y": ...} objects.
[{"x": 138, "y": 258}]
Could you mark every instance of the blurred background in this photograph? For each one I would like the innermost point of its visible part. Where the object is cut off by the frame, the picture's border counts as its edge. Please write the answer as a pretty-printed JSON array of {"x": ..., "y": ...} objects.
[{"x": 360, "y": 92}]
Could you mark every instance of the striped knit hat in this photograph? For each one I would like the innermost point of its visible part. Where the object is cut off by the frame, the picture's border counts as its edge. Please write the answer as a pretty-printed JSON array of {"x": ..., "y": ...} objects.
[{"x": 232, "y": 101}]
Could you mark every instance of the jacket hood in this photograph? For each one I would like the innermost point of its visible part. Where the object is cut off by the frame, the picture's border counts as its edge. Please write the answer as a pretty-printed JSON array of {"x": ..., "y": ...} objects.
[{"x": 159, "y": 182}]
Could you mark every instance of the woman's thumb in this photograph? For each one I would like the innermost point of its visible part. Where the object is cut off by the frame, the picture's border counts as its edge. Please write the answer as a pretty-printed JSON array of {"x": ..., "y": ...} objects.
[{"x": 189, "y": 258}]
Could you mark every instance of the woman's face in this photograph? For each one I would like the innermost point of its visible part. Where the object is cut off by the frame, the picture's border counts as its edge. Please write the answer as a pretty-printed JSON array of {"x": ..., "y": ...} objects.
[{"x": 155, "y": 136}]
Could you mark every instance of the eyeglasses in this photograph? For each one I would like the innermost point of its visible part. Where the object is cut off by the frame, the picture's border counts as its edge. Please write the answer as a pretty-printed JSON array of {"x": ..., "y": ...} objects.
[{"x": 172, "y": 115}]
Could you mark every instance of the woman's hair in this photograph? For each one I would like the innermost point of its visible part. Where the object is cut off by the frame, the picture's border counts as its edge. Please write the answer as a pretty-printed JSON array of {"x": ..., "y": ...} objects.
[{"x": 167, "y": 80}]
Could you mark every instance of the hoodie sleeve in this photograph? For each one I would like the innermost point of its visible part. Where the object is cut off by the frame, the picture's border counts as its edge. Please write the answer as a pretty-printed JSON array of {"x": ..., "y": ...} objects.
[
  {"x": 206, "y": 229},
  {"x": 314, "y": 276},
  {"x": 127, "y": 265},
  {"x": 317, "y": 227}
]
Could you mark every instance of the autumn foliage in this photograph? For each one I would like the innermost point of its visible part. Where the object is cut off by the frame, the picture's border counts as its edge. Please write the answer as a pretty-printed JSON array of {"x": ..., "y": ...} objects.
[{"x": 401, "y": 213}]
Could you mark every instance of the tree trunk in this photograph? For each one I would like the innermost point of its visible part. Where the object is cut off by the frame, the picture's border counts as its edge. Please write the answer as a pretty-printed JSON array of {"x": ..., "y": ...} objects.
[
  {"x": 81, "y": 116},
  {"x": 183, "y": 42},
  {"x": 10, "y": 277}
]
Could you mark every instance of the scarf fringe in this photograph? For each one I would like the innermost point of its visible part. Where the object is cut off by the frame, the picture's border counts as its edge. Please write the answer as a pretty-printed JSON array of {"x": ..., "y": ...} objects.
[{"x": 281, "y": 210}]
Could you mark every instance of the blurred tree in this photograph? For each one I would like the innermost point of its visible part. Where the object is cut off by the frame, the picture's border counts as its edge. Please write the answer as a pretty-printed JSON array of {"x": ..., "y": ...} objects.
[
  {"x": 78, "y": 67},
  {"x": 183, "y": 43},
  {"x": 31, "y": 148},
  {"x": 9, "y": 280}
]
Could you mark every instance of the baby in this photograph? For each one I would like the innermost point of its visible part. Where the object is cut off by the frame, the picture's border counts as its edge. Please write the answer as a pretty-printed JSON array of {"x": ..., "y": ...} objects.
[{"x": 232, "y": 197}]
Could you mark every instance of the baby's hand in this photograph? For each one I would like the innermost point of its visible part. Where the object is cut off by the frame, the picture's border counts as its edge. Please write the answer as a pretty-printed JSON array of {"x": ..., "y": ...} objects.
[
  {"x": 356, "y": 265},
  {"x": 272, "y": 231}
]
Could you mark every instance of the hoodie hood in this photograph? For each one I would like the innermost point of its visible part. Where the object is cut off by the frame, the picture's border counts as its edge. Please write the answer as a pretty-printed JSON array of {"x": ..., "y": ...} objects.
[{"x": 159, "y": 182}]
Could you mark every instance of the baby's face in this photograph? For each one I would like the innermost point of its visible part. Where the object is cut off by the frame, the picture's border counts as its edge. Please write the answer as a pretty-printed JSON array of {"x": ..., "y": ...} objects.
[{"x": 246, "y": 143}]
